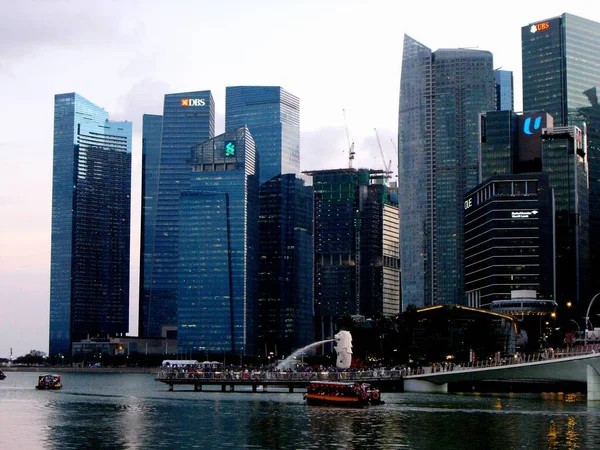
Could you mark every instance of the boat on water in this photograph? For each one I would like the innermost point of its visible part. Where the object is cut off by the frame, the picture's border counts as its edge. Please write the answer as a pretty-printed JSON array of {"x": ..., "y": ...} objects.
[
  {"x": 49, "y": 381},
  {"x": 331, "y": 393},
  {"x": 2, "y": 376}
]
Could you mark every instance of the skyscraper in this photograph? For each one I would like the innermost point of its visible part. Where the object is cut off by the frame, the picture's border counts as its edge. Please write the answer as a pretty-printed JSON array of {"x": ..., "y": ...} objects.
[
  {"x": 356, "y": 264},
  {"x": 442, "y": 94},
  {"x": 218, "y": 240},
  {"x": 188, "y": 119},
  {"x": 503, "y": 83},
  {"x": 561, "y": 74},
  {"x": 91, "y": 198},
  {"x": 272, "y": 115},
  {"x": 285, "y": 270}
]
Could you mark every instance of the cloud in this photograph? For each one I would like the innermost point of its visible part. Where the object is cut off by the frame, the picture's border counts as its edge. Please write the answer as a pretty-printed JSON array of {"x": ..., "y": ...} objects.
[{"x": 31, "y": 26}]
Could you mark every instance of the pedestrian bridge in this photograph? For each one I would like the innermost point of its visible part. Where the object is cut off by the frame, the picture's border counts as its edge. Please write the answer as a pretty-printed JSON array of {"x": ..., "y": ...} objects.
[{"x": 557, "y": 368}]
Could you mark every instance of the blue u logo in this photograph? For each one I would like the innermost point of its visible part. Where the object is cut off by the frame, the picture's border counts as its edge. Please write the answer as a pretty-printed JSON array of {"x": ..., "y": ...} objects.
[{"x": 536, "y": 125}]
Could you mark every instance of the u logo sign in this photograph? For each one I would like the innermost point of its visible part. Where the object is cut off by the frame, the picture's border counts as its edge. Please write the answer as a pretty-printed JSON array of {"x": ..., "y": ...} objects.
[{"x": 536, "y": 125}]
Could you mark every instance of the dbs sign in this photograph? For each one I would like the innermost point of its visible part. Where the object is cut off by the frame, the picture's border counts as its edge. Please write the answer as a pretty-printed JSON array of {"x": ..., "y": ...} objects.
[{"x": 193, "y": 102}]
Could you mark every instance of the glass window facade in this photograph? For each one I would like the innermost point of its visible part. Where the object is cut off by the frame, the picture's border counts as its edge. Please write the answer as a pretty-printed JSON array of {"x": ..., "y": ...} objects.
[
  {"x": 188, "y": 119},
  {"x": 285, "y": 299},
  {"x": 442, "y": 94},
  {"x": 91, "y": 199},
  {"x": 273, "y": 117},
  {"x": 218, "y": 245}
]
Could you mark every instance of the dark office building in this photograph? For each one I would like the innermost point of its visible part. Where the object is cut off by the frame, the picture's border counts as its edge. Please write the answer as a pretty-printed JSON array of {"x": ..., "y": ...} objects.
[
  {"x": 188, "y": 119},
  {"x": 509, "y": 238},
  {"x": 351, "y": 239},
  {"x": 91, "y": 200},
  {"x": 285, "y": 268},
  {"x": 442, "y": 94},
  {"x": 561, "y": 75},
  {"x": 218, "y": 247},
  {"x": 273, "y": 117}
]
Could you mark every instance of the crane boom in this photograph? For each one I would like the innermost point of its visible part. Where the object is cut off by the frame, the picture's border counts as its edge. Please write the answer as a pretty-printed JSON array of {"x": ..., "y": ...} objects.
[
  {"x": 386, "y": 167},
  {"x": 350, "y": 142}
]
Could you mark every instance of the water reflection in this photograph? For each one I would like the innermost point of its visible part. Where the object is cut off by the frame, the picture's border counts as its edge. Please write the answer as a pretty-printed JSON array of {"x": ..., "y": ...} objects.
[{"x": 135, "y": 412}]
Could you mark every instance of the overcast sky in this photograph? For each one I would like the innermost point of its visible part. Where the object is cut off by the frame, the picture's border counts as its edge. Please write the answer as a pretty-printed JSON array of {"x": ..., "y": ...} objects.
[{"x": 125, "y": 55}]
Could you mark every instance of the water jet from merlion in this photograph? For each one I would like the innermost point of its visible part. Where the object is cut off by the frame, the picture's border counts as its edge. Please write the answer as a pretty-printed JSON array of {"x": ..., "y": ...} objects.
[{"x": 343, "y": 339}]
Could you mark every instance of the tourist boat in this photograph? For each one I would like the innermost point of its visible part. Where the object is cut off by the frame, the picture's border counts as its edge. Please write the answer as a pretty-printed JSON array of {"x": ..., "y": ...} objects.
[
  {"x": 49, "y": 381},
  {"x": 328, "y": 393},
  {"x": 2, "y": 376}
]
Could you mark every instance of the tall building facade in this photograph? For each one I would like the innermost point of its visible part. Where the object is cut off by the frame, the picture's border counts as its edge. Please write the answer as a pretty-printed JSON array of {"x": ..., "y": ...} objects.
[
  {"x": 91, "y": 200},
  {"x": 561, "y": 75},
  {"x": 442, "y": 94},
  {"x": 285, "y": 269},
  {"x": 355, "y": 265},
  {"x": 504, "y": 86},
  {"x": 188, "y": 119},
  {"x": 218, "y": 240},
  {"x": 509, "y": 239},
  {"x": 273, "y": 116}
]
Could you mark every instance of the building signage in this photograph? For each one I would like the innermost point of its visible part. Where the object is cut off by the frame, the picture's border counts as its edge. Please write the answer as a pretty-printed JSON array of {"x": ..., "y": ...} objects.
[
  {"x": 527, "y": 127},
  {"x": 230, "y": 149},
  {"x": 523, "y": 214},
  {"x": 543, "y": 26},
  {"x": 469, "y": 203},
  {"x": 193, "y": 102}
]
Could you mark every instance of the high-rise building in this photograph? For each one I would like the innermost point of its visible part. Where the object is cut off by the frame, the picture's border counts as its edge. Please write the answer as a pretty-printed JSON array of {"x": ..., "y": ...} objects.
[
  {"x": 509, "y": 238},
  {"x": 503, "y": 83},
  {"x": 91, "y": 199},
  {"x": 272, "y": 115},
  {"x": 151, "y": 138},
  {"x": 442, "y": 94},
  {"x": 356, "y": 264},
  {"x": 188, "y": 119},
  {"x": 218, "y": 240},
  {"x": 561, "y": 73},
  {"x": 285, "y": 268}
]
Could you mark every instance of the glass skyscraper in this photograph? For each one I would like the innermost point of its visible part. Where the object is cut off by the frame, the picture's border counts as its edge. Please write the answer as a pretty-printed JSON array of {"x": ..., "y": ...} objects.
[
  {"x": 218, "y": 239},
  {"x": 442, "y": 94},
  {"x": 503, "y": 82},
  {"x": 285, "y": 297},
  {"x": 561, "y": 74},
  {"x": 188, "y": 119},
  {"x": 91, "y": 199},
  {"x": 273, "y": 117}
]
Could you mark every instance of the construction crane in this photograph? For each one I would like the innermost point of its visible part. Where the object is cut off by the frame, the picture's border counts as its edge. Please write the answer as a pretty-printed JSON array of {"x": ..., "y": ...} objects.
[
  {"x": 350, "y": 142},
  {"x": 387, "y": 166}
]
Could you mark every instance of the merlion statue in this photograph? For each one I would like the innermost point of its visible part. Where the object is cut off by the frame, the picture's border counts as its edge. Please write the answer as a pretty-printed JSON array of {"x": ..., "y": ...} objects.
[{"x": 343, "y": 348}]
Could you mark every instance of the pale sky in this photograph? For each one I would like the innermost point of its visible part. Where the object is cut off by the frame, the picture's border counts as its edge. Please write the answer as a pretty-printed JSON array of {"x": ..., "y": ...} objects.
[{"x": 125, "y": 55}]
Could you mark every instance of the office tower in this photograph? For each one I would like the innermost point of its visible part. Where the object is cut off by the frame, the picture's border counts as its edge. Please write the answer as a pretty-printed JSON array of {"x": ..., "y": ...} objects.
[
  {"x": 509, "y": 238},
  {"x": 151, "y": 138},
  {"x": 285, "y": 298},
  {"x": 218, "y": 239},
  {"x": 273, "y": 117},
  {"x": 91, "y": 199},
  {"x": 530, "y": 144},
  {"x": 188, "y": 119},
  {"x": 442, "y": 94},
  {"x": 503, "y": 84},
  {"x": 356, "y": 267},
  {"x": 561, "y": 72}
]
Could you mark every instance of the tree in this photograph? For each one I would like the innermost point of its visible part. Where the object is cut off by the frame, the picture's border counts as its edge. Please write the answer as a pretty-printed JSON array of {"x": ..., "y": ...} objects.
[{"x": 33, "y": 357}]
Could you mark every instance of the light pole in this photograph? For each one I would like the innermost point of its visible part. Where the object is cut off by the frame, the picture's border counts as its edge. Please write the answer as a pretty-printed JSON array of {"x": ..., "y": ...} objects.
[{"x": 587, "y": 317}]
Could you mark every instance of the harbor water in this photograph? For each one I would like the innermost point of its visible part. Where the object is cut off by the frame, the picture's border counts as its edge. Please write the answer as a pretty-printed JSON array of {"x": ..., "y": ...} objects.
[{"x": 133, "y": 411}]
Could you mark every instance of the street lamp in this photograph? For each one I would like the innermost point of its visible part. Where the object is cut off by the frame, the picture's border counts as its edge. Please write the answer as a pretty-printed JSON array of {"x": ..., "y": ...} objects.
[{"x": 587, "y": 317}]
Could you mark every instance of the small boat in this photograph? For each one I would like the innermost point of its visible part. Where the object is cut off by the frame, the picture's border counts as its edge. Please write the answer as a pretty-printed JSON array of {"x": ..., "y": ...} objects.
[
  {"x": 331, "y": 393},
  {"x": 2, "y": 376},
  {"x": 49, "y": 381}
]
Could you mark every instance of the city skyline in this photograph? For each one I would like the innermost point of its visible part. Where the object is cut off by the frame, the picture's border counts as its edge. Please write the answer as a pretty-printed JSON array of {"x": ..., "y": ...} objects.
[{"x": 320, "y": 58}]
